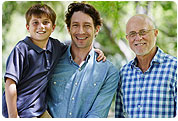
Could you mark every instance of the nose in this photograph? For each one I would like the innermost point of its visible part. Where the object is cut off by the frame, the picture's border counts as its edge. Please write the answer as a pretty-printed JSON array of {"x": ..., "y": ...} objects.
[
  {"x": 138, "y": 37},
  {"x": 41, "y": 25},
  {"x": 81, "y": 30}
]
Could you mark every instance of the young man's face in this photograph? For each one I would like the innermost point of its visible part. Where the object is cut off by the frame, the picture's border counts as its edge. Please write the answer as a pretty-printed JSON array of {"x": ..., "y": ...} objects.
[
  {"x": 82, "y": 30},
  {"x": 40, "y": 28}
]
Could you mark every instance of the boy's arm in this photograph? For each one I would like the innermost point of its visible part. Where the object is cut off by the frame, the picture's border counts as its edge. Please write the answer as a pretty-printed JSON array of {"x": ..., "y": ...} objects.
[{"x": 11, "y": 98}]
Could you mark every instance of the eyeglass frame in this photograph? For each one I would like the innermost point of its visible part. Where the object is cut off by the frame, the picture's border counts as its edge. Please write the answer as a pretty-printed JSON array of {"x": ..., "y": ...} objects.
[{"x": 139, "y": 32}]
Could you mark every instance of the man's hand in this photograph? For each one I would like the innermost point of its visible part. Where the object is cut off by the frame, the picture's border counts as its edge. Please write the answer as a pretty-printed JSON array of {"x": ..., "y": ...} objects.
[{"x": 100, "y": 55}]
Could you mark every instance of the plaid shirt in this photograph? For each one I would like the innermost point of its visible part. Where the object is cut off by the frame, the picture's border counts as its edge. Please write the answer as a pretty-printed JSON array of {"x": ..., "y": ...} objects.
[{"x": 150, "y": 94}]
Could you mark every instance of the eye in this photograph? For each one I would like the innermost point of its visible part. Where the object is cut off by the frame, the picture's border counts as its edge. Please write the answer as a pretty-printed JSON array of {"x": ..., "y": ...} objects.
[
  {"x": 75, "y": 25},
  {"x": 132, "y": 34},
  {"x": 35, "y": 23},
  {"x": 142, "y": 32},
  {"x": 46, "y": 22},
  {"x": 87, "y": 26}
]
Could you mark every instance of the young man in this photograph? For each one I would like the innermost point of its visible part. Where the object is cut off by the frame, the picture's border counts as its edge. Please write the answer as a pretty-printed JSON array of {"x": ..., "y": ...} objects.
[
  {"x": 29, "y": 65},
  {"x": 80, "y": 86},
  {"x": 149, "y": 82}
]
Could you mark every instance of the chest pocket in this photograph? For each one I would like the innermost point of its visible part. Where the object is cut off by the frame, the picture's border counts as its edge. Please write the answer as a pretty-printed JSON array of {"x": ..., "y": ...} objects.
[
  {"x": 92, "y": 89},
  {"x": 56, "y": 88}
]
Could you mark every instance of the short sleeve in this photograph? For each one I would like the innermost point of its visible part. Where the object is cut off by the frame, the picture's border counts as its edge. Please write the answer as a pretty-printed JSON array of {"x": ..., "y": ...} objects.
[{"x": 14, "y": 65}]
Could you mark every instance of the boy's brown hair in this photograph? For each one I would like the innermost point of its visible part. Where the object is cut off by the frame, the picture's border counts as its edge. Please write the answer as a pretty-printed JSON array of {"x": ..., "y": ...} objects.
[{"x": 39, "y": 10}]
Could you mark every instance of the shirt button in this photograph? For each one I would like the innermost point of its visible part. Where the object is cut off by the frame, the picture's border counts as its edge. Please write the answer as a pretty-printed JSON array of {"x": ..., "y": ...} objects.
[
  {"x": 73, "y": 98},
  {"x": 70, "y": 113},
  {"x": 94, "y": 84},
  {"x": 54, "y": 83},
  {"x": 79, "y": 69},
  {"x": 76, "y": 83},
  {"x": 125, "y": 114}
]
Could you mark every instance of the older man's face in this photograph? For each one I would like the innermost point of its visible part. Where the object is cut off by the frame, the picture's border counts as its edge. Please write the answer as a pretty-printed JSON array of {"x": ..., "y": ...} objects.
[{"x": 141, "y": 35}]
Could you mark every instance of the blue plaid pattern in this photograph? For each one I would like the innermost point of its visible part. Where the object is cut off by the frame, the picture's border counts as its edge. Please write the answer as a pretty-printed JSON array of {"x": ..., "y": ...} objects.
[{"x": 152, "y": 94}]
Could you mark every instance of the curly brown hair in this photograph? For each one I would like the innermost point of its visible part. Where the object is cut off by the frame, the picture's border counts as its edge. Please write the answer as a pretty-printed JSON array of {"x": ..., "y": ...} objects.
[{"x": 85, "y": 8}]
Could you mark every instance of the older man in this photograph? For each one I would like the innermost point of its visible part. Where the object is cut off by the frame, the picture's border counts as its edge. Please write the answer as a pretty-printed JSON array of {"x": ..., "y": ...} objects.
[{"x": 149, "y": 82}]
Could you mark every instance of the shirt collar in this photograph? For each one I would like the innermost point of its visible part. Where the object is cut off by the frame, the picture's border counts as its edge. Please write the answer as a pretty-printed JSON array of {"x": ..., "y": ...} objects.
[
  {"x": 158, "y": 58},
  {"x": 90, "y": 54},
  {"x": 36, "y": 48}
]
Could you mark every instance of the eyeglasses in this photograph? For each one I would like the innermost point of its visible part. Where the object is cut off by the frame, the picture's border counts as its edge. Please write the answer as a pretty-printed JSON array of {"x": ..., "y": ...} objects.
[{"x": 141, "y": 33}]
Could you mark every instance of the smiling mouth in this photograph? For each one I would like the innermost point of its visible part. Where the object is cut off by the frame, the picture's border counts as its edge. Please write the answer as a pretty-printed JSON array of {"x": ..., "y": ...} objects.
[
  {"x": 140, "y": 44},
  {"x": 81, "y": 38},
  {"x": 43, "y": 32}
]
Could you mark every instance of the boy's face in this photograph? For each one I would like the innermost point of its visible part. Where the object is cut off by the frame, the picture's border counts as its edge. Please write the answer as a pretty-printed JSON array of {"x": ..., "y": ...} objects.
[{"x": 40, "y": 28}]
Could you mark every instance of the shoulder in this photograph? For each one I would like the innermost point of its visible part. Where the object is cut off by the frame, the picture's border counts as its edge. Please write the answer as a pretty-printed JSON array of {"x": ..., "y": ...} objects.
[
  {"x": 170, "y": 58},
  {"x": 21, "y": 47},
  {"x": 107, "y": 65},
  {"x": 165, "y": 58},
  {"x": 111, "y": 66},
  {"x": 127, "y": 66},
  {"x": 168, "y": 61},
  {"x": 59, "y": 48},
  {"x": 56, "y": 42}
]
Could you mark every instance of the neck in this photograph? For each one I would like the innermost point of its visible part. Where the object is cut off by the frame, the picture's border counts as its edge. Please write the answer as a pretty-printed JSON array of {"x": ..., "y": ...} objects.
[
  {"x": 79, "y": 54},
  {"x": 145, "y": 60},
  {"x": 41, "y": 44}
]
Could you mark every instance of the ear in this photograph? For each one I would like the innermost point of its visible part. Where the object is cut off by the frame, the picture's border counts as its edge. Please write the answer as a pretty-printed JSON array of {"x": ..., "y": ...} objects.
[
  {"x": 97, "y": 29},
  {"x": 27, "y": 26},
  {"x": 54, "y": 26},
  {"x": 156, "y": 32},
  {"x": 127, "y": 37},
  {"x": 68, "y": 28}
]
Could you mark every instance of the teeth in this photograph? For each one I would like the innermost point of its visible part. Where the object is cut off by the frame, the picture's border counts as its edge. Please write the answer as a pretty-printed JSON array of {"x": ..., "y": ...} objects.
[
  {"x": 81, "y": 38},
  {"x": 140, "y": 44},
  {"x": 41, "y": 32}
]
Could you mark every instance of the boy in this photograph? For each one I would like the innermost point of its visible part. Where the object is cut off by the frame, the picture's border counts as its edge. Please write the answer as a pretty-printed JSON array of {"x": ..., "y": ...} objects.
[{"x": 29, "y": 65}]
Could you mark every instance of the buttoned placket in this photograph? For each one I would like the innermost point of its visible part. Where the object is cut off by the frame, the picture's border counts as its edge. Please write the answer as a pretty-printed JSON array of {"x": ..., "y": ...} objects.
[
  {"x": 47, "y": 59},
  {"x": 76, "y": 83},
  {"x": 139, "y": 90},
  {"x": 75, "y": 87}
]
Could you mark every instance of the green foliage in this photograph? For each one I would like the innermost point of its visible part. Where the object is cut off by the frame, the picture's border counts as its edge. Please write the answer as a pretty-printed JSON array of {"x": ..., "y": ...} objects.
[
  {"x": 166, "y": 21},
  {"x": 111, "y": 38},
  {"x": 114, "y": 15}
]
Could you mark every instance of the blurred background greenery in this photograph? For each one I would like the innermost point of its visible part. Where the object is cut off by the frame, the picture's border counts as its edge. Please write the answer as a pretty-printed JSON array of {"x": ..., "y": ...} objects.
[{"x": 111, "y": 39}]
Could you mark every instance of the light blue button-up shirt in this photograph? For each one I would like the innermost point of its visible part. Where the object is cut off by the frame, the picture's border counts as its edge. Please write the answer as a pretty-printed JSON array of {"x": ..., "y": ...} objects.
[{"x": 82, "y": 92}]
